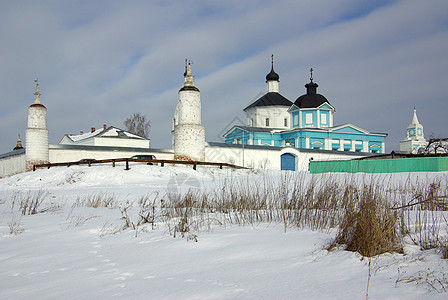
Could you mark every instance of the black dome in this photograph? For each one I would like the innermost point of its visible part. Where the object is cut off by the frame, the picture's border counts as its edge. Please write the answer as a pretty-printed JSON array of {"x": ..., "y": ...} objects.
[
  {"x": 189, "y": 88},
  {"x": 272, "y": 75},
  {"x": 311, "y": 99}
]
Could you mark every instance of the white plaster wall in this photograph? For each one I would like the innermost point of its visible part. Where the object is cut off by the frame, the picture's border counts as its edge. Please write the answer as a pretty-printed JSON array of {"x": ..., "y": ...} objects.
[
  {"x": 266, "y": 158},
  {"x": 36, "y": 146},
  {"x": 189, "y": 108},
  {"x": 37, "y": 116},
  {"x": 12, "y": 165},
  {"x": 70, "y": 155},
  {"x": 276, "y": 115},
  {"x": 272, "y": 86},
  {"x": 253, "y": 158},
  {"x": 189, "y": 142},
  {"x": 121, "y": 142}
]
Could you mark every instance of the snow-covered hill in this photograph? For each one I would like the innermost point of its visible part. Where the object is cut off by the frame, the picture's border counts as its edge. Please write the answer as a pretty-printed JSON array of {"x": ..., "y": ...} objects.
[{"x": 71, "y": 249}]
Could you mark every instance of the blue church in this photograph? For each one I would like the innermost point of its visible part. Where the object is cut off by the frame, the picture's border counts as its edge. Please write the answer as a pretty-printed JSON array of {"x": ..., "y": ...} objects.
[{"x": 306, "y": 123}]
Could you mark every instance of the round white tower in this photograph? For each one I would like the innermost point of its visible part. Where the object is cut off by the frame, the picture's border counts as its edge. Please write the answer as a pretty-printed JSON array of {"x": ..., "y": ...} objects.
[
  {"x": 36, "y": 133},
  {"x": 189, "y": 134}
]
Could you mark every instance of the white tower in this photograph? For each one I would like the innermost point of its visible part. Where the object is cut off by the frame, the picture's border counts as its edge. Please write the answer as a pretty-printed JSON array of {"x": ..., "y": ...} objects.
[
  {"x": 36, "y": 133},
  {"x": 189, "y": 134},
  {"x": 415, "y": 139}
]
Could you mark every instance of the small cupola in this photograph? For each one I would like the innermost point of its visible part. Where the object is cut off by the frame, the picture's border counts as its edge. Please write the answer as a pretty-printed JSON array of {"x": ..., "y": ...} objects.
[
  {"x": 18, "y": 145},
  {"x": 272, "y": 78},
  {"x": 189, "y": 83},
  {"x": 311, "y": 88}
]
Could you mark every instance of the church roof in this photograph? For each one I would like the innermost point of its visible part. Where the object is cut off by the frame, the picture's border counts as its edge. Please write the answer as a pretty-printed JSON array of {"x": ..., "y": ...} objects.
[
  {"x": 270, "y": 99},
  {"x": 105, "y": 132},
  {"x": 311, "y": 99}
]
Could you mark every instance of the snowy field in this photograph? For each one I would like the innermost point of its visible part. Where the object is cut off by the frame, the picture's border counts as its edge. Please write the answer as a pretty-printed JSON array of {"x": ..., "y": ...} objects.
[{"x": 70, "y": 249}]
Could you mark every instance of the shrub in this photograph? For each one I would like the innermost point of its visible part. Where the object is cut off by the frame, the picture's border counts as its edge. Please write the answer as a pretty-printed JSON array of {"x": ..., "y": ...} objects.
[{"x": 369, "y": 228}]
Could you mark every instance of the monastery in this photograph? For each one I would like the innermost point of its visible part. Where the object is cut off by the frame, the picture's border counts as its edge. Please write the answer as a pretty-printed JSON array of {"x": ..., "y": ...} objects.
[{"x": 279, "y": 134}]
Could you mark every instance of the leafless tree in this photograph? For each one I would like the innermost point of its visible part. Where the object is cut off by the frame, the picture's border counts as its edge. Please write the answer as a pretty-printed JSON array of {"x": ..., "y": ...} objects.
[
  {"x": 437, "y": 146},
  {"x": 138, "y": 124}
]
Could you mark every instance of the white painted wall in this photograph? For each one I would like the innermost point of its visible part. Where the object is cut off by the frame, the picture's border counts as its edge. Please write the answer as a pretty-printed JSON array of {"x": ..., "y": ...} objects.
[
  {"x": 276, "y": 115},
  {"x": 12, "y": 165},
  {"x": 121, "y": 142},
  {"x": 58, "y": 154},
  {"x": 267, "y": 158}
]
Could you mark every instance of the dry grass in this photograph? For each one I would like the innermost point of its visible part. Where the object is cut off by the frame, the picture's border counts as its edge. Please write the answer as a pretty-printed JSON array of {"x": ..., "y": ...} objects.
[
  {"x": 370, "y": 214},
  {"x": 370, "y": 226}
]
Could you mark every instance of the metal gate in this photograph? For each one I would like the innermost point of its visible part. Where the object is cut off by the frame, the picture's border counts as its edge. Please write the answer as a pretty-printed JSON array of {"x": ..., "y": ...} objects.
[{"x": 288, "y": 162}]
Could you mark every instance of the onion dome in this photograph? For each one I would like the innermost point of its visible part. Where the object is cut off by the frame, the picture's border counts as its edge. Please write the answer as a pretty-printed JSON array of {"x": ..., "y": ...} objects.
[{"x": 272, "y": 75}]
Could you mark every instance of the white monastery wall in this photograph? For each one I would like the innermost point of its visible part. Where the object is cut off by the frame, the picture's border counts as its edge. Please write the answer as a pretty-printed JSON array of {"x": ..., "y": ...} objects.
[
  {"x": 266, "y": 158},
  {"x": 118, "y": 142},
  {"x": 12, "y": 165},
  {"x": 58, "y": 155}
]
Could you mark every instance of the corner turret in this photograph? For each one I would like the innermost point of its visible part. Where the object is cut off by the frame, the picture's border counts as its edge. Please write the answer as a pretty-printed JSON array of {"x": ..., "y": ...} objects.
[{"x": 36, "y": 133}]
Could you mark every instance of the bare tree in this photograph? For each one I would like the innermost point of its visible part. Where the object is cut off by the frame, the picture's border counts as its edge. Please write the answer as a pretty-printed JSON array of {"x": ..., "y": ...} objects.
[
  {"x": 437, "y": 146},
  {"x": 138, "y": 124}
]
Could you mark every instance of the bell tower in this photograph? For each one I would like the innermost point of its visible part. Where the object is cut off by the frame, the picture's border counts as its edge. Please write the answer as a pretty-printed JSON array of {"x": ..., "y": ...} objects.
[{"x": 415, "y": 140}]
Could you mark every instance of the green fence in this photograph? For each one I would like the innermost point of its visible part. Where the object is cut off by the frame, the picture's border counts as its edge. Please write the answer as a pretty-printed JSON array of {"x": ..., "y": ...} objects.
[{"x": 416, "y": 164}]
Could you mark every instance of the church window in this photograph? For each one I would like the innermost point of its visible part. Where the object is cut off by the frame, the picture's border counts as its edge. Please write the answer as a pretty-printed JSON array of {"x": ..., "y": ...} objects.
[
  {"x": 267, "y": 122},
  {"x": 285, "y": 122},
  {"x": 323, "y": 119},
  {"x": 296, "y": 119},
  {"x": 309, "y": 118}
]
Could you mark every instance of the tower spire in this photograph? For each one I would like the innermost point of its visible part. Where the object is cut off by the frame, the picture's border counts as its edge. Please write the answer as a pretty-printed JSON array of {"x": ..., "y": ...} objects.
[
  {"x": 311, "y": 74},
  {"x": 414, "y": 117},
  {"x": 19, "y": 144},
  {"x": 188, "y": 75},
  {"x": 37, "y": 94}
]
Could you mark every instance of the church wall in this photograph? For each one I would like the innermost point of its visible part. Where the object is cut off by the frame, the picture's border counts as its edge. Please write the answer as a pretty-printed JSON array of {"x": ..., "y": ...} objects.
[
  {"x": 13, "y": 164},
  {"x": 276, "y": 115}
]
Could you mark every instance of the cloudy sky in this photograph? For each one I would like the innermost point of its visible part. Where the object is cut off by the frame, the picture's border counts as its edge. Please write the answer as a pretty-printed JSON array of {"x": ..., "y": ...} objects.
[{"x": 100, "y": 61}]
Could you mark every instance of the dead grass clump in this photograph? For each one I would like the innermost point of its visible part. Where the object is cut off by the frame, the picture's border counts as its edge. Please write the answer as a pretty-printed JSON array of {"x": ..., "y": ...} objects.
[
  {"x": 30, "y": 203},
  {"x": 370, "y": 227},
  {"x": 97, "y": 200}
]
